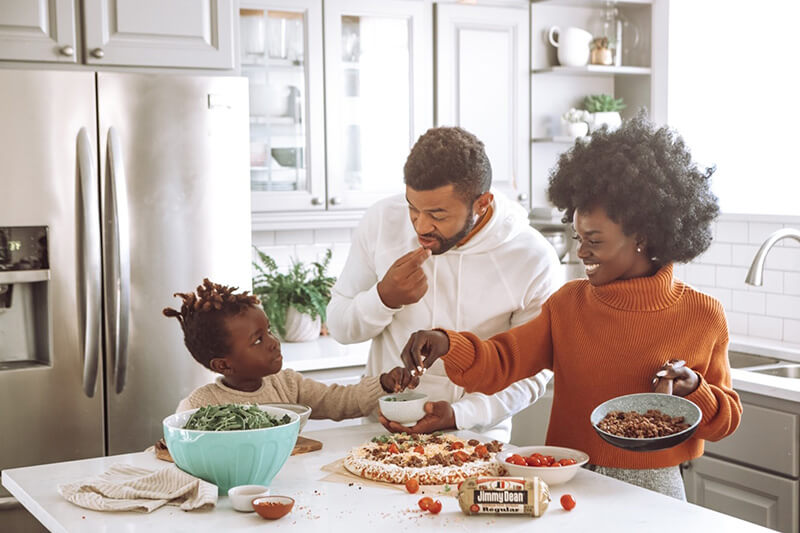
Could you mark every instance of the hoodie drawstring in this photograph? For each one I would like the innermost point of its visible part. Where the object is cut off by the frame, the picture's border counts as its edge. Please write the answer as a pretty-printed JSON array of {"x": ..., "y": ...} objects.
[
  {"x": 433, "y": 313},
  {"x": 458, "y": 293}
]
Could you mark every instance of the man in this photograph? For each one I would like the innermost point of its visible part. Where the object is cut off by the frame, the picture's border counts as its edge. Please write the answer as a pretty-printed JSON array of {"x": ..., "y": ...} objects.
[{"x": 449, "y": 254}]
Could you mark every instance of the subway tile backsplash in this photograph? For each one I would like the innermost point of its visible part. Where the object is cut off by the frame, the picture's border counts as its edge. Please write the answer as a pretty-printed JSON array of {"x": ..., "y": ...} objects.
[{"x": 771, "y": 311}]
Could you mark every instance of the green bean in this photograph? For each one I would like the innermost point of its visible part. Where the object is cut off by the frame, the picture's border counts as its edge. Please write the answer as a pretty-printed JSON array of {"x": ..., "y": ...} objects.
[{"x": 232, "y": 417}]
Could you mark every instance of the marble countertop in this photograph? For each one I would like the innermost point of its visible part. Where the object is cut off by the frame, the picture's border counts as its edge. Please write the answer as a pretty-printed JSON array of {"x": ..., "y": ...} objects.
[{"x": 604, "y": 505}]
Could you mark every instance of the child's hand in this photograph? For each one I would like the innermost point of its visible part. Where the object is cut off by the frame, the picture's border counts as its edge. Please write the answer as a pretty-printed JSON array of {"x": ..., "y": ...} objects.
[
  {"x": 685, "y": 380},
  {"x": 398, "y": 379}
]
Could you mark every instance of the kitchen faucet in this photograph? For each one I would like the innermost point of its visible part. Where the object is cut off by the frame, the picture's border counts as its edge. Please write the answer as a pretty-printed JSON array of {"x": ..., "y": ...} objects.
[{"x": 756, "y": 273}]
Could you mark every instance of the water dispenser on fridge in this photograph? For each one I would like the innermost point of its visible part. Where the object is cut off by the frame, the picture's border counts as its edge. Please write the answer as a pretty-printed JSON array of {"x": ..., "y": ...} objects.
[{"x": 24, "y": 317}]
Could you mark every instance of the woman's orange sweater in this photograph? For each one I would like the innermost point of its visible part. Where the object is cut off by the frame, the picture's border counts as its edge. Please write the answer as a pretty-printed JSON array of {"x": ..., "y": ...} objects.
[{"x": 607, "y": 341}]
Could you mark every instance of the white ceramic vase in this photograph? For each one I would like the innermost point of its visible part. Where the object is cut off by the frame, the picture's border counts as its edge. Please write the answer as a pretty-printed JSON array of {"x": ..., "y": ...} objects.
[
  {"x": 300, "y": 327},
  {"x": 612, "y": 118},
  {"x": 575, "y": 129}
]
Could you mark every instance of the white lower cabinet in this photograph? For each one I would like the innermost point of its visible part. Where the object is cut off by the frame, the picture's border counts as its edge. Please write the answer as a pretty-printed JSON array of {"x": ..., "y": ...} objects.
[{"x": 743, "y": 492}]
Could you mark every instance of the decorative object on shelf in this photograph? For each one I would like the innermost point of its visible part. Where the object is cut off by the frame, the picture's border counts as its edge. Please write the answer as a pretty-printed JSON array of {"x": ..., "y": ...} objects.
[
  {"x": 604, "y": 110},
  {"x": 619, "y": 31},
  {"x": 305, "y": 289},
  {"x": 575, "y": 122},
  {"x": 601, "y": 54},
  {"x": 573, "y": 45},
  {"x": 252, "y": 31}
]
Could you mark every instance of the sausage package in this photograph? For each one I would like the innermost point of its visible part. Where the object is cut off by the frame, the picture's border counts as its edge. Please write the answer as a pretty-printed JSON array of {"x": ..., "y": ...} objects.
[{"x": 503, "y": 495}]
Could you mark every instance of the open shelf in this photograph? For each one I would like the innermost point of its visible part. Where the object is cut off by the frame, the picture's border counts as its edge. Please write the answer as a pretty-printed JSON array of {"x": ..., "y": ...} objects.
[
  {"x": 560, "y": 139},
  {"x": 594, "y": 70}
]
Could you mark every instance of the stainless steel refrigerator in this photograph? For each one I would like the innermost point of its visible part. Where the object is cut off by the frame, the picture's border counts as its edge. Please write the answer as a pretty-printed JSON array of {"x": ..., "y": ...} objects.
[{"x": 116, "y": 190}]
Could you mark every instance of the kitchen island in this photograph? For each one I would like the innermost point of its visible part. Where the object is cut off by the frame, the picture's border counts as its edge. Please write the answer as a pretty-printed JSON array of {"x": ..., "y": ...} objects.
[{"x": 603, "y": 504}]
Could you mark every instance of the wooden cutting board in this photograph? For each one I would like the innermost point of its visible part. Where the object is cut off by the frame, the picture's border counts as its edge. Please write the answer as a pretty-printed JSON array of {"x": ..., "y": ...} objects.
[{"x": 305, "y": 445}]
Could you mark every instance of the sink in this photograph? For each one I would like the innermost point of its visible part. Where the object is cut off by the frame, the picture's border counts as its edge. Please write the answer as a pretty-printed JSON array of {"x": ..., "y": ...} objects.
[
  {"x": 786, "y": 370},
  {"x": 745, "y": 360}
]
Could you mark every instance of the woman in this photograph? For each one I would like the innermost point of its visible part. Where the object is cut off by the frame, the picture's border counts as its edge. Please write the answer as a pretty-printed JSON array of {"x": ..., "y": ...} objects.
[{"x": 638, "y": 205}]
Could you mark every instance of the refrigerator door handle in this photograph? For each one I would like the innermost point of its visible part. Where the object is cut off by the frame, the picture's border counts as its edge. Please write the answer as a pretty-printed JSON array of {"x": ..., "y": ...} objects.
[
  {"x": 116, "y": 259},
  {"x": 88, "y": 263}
]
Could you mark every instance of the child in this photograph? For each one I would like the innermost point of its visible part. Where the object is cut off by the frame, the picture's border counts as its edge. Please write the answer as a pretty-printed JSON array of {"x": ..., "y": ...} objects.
[
  {"x": 228, "y": 333},
  {"x": 638, "y": 204}
]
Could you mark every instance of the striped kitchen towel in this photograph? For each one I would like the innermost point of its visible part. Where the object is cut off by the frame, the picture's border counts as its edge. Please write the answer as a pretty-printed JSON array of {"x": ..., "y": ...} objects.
[{"x": 130, "y": 488}]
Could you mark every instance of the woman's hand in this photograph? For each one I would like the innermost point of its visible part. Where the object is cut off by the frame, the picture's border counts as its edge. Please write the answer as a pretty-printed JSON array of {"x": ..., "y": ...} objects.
[
  {"x": 423, "y": 349},
  {"x": 684, "y": 379},
  {"x": 398, "y": 379}
]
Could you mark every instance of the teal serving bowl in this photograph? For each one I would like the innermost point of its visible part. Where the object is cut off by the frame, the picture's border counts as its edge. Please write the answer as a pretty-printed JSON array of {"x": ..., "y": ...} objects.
[{"x": 231, "y": 458}]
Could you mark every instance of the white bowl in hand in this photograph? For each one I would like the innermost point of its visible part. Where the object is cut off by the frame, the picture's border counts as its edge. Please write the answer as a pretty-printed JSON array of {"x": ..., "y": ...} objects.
[{"x": 405, "y": 408}]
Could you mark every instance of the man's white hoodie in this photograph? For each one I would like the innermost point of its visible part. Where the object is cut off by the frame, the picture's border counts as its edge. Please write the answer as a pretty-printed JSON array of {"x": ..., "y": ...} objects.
[{"x": 498, "y": 279}]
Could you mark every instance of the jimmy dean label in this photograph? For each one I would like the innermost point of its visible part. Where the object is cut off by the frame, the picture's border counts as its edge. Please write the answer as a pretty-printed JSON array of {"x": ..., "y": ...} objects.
[{"x": 501, "y": 496}]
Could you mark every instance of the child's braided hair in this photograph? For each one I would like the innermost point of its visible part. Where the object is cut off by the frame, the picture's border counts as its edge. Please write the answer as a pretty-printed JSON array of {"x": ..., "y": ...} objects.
[{"x": 202, "y": 317}]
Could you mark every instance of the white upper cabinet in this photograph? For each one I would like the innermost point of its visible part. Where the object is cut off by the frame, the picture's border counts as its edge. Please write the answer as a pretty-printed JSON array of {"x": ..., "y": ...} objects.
[
  {"x": 38, "y": 30},
  {"x": 158, "y": 33},
  {"x": 141, "y": 33},
  {"x": 379, "y": 94},
  {"x": 280, "y": 53},
  {"x": 482, "y": 85}
]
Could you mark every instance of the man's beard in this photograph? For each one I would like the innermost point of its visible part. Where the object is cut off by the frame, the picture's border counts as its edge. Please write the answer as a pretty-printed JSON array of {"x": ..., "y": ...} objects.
[{"x": 446, "y": 244}]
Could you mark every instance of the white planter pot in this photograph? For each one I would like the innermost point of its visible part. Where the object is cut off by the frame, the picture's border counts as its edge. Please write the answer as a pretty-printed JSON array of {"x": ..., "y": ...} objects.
[
  {"x": 612, "y": 118},
  {"x": 301, "y": 327},
  {"x": 575, "y": 129}
]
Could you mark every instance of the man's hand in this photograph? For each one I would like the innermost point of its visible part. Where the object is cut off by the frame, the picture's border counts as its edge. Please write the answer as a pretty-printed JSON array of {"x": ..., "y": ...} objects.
[
  {"x": 439, "y": 416},
  {"x": 423, "y": 349},
  {"x": 398, "y": 379},
  {"x": 405, "y": 282}
]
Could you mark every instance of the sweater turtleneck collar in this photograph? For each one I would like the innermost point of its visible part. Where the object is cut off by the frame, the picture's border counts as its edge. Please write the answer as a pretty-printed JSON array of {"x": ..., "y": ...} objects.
[{"x": 648, "y": 293}]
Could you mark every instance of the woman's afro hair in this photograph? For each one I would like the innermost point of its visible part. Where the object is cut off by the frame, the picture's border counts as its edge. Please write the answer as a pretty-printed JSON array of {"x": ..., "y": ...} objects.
[{"x": 646, "y": 181}]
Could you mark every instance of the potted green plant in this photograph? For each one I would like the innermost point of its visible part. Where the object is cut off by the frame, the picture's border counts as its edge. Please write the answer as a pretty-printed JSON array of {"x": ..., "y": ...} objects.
[
  {"x": 604, "y": 109},
  {"x": 294, "y": 302}
]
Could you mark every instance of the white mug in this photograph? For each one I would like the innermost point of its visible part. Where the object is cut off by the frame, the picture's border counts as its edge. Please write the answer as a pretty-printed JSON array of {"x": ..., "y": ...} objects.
[{"x": 573, "y": 45}]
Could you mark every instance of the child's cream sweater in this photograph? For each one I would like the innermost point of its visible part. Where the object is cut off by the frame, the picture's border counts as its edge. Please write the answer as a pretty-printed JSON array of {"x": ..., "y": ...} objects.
[{"x": 287, "y": 386}]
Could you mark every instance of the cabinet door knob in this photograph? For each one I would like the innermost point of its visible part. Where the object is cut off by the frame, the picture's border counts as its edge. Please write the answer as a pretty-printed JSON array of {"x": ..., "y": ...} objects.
[
  {"x": 336, "y": 200},
  {"x": 522, "y": 196},
  {"x": 67, "y": 50},
  {"x": 316, "y": 201},
  {"x": 98, "y": 53}
]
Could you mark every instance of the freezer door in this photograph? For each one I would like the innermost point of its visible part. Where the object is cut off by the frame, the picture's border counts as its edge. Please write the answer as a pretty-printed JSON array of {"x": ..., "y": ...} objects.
[
  {"x": 48, "y": 155},
  {"x": 175, "y": 197}
]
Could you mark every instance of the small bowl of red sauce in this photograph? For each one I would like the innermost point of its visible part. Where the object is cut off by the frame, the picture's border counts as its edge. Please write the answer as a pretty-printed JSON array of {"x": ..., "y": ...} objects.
[{"x": 273, "y": 507}]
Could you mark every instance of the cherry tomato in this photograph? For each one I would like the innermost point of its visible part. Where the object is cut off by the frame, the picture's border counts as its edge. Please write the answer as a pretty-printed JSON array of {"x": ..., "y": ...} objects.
[
  {"x": 393, "y": 448},
  {"x": 412, "y": 485},
  {"x": 516, "y": 459},
  {"x": 425, "y": 502},
  {"x": 419, "y": 450},
  {"x": 567, "y": 462},
  {"x": 533, "y": 461},
  {"x": 456, "y": 445},
  {"x": 461, "y": 456},
  {"x": 481, "y": 451},
  {"x": 567, "y": 502},
  {"x": 435, "y": 507}
]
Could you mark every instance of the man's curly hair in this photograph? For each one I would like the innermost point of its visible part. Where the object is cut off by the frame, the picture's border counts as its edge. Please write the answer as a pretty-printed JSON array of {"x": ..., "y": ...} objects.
[
  {"x": 202, "y": 317},
  {"x": 645, "y": 179},
  {"x": 445, "y": 156}
]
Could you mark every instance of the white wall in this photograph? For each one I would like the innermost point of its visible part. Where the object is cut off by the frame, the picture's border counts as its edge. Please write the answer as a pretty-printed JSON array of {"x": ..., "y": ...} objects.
[{"x": 733, "y": 90}]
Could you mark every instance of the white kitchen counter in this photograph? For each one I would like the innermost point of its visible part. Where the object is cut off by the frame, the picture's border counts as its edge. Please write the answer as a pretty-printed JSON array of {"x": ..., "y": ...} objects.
[
  {"x": 773, "y": 386},
  {"x": 322, "y": 354},
  {"x": 603, "y": 504}
]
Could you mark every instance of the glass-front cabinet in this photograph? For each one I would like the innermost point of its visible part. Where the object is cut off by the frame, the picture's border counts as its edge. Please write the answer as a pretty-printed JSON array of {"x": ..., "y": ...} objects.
[
  {"x": 378, "y": 72},
  {"x": 281, "y": 56}
]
